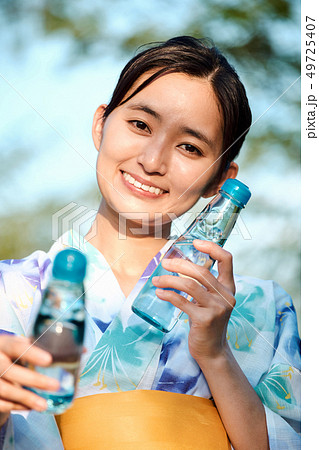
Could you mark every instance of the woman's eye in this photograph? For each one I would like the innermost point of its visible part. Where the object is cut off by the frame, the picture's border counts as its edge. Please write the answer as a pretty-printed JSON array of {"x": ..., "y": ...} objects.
[
  {"x": 140, "y": 125},
  {"x": 191, "y": 149}
]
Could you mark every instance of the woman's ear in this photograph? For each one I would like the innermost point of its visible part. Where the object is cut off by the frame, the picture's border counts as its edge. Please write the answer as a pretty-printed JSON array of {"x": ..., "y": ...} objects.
[
  {"x": 97, "y": 127},
  {"x": 231, "y": 172}
]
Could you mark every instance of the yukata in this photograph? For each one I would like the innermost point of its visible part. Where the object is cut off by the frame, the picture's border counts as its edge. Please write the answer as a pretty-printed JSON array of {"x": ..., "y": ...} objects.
[{"x": 262, "y": 334}]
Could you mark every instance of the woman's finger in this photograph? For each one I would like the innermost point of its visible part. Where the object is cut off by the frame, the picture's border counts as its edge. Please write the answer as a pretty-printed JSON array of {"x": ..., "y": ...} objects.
[
  {"x": 177, "y": 300},
  {"x": 27, "y": 377},
  {"x": 18, "y": 396},
  {"x": 224, "y": 260},
  {"x": 213, "y": 298},
  {"x": 11, "y": 348},
  {"x": 182, "y": 283},
  {"x": 200, "y": 274},
  {"x": 22, "y": 349},
  {"x": 7, "y": 407}
]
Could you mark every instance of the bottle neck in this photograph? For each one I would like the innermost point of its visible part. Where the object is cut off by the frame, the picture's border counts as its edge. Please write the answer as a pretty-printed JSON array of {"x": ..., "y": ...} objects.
[{"x": 215, "y": 222}]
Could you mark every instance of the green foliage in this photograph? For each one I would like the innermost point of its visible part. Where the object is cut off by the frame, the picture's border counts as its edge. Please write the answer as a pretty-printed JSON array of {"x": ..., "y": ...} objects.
[{"x": 23, "y": 233}]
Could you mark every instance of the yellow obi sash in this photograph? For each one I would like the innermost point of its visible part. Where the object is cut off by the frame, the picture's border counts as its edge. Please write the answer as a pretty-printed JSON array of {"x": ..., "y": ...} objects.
[{"x": 142, "y": 420}]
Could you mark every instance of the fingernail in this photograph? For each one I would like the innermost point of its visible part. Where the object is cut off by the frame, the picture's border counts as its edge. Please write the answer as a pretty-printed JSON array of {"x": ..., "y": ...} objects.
[
  {"x": 159, "y": 291},
  {"x": 41, "y": 405},
  {"x": 45, "y": 357},
  {"x": 53, "y": 385},
  {"x": 166, "y": 262},
  {"x": 200, "y": 241},
  {"x": 155, "y": 279}
]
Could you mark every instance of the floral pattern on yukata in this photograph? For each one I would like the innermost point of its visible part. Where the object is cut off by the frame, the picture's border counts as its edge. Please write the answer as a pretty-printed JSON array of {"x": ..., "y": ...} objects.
[{"x": 262, "y": 335}]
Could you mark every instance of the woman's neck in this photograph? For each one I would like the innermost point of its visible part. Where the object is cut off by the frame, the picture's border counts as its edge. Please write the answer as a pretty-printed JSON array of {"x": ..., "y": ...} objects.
[{"x": 122, "y": 244}]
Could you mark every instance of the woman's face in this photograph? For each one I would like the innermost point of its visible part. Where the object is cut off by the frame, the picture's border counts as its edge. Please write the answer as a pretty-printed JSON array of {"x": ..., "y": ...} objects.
[{"x": 158, "y": 152}]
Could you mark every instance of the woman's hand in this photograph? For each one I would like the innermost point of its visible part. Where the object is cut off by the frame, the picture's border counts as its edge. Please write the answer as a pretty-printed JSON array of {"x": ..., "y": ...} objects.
[
  {"x": 13, "y": 376},
  {"x": 213, "y": 299},
  {"x": 213, "y": 302}
]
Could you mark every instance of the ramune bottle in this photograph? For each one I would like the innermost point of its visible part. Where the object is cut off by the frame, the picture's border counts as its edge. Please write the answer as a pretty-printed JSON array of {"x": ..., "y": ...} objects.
[
  {"x": 214, "y": 223},
  {"x": 59, "y": 327}
]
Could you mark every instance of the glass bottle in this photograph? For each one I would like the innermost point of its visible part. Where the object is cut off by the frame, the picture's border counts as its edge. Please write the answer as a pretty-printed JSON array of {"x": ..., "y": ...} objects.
[
  {"x": 214, "y": 223},
  {"x": 59, "y": 327}
]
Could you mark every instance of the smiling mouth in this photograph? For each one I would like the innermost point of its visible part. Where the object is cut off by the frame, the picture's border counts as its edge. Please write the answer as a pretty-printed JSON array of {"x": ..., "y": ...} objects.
[{"x": 144, "y": 187}]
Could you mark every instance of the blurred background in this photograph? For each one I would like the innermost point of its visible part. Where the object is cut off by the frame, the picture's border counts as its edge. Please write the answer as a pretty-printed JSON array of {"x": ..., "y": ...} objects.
[{"x": 59, "y": 59}]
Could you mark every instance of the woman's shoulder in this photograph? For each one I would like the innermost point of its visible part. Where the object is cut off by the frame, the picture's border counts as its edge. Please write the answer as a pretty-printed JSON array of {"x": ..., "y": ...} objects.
[
  {"x": 21, "y": 284},
  {"x": 260, "y": 290},
  {"x": 264, "y": 317},
  {"x": 265, "y": 299},
  {"x": 33, "y": 267}
]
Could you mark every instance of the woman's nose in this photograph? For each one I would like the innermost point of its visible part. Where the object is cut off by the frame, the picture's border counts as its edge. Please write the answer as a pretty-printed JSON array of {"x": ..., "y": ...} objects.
[{"x": 154, "y": 158}]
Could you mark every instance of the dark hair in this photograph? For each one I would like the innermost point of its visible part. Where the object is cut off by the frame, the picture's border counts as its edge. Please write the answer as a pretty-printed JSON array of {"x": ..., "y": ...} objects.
[{"x": 196, "y": 58}]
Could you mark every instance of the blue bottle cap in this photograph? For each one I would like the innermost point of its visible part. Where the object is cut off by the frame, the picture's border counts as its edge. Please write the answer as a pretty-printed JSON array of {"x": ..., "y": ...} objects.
[
  {"x": 70, "y": 265},
  {"x": 237, "y": 190}
]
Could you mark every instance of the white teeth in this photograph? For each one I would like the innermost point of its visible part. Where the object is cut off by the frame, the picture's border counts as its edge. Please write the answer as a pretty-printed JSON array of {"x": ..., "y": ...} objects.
[{"x": 139, "y": 185}]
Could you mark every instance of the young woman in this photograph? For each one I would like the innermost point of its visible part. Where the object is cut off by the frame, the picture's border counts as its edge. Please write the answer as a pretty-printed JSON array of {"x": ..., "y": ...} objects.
[{"x": 228, "y": 375}]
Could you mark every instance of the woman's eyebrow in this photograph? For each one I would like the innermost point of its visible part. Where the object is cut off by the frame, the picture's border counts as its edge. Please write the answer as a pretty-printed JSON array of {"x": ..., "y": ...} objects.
[
  {"x": 145, "y": 108},
  {"x": 198, "y": 135}
]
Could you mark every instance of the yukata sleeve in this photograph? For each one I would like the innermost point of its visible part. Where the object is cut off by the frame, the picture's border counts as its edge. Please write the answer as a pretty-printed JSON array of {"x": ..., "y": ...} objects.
[
  {"x": 279, "y": 388},
  {"x": 21, "y": 285}
]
